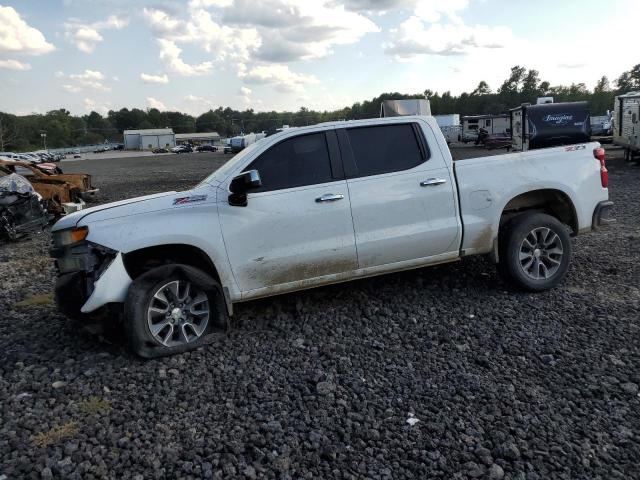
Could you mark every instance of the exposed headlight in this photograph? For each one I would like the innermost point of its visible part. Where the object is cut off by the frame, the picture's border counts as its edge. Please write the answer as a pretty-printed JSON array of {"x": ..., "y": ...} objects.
[
  {"x": 71, "y": 236},
  {"x": 70, "y": 264}
]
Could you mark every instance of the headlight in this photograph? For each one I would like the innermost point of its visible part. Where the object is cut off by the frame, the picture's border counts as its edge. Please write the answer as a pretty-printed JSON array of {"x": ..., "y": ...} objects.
[
  {"x": 71, "y": 236},
  {"x": 70, "y": 264}
]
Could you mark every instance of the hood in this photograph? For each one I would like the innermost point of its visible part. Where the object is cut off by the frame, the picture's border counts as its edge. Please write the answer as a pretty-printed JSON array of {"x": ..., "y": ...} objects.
[{"x": 131, "y": 206}]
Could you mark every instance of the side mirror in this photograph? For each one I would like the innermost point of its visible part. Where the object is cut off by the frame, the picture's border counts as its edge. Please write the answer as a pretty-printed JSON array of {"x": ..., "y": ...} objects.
[{"x": 241, "y": 184}]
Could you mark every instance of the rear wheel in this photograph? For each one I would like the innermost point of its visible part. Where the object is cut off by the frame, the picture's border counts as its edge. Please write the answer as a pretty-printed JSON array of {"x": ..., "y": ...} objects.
[
  {"x": 535, "y": 252},
  {"x": 172, "y": 309}
]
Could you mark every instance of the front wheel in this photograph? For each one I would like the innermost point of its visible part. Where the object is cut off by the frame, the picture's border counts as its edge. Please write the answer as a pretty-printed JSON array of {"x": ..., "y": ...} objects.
[
  {"x": 534, "y": 252},
  {"x": 171, "y": 309}
]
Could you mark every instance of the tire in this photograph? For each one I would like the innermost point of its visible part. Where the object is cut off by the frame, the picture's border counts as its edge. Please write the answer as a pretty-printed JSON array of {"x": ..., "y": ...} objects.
[
  {"x": 534, "y": 252},
  {"x": 160, "y": 300}
]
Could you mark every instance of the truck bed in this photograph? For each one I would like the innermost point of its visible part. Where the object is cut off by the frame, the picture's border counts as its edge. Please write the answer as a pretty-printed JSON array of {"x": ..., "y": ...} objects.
[
  {"x": 487, "y": 183},
  {"x": 460, "y": 152}
]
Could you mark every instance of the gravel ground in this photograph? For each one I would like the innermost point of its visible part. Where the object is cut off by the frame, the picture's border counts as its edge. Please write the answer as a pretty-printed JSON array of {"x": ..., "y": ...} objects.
[{"x": 436, "y": 373}]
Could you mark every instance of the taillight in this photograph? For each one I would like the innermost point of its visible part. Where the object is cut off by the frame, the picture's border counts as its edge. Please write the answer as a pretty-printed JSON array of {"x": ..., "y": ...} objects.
[{"x": 599, "y": 153}]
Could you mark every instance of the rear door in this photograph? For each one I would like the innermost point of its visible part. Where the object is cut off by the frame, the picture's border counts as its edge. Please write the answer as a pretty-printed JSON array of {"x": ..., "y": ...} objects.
[
  {"x": 402, "y": 196},
  {"x": 298, "y": 225}
]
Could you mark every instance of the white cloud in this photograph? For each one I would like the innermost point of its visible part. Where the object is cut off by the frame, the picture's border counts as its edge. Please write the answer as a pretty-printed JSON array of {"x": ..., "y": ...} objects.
[
  {"x": 413, "y": 38},
  {"x": 14, "y": 65},
  {"x": 219, "y": 42},
  {"x": 266, "y": 32},
  {"x": 433, "y": 10},
  {"x": 67, "y": 87},
  {"x": 59, "y": 74},
  {"x": 89, "y": 79},
  {"x": 155, "y": 103},
  {"x": 195, "y": 105},
  {"x": 86, "y": 36},
  {"x": 298, "y": 29},
  {"x": 91, "y": 105},
  {"x": 158, "y": 79},
  {"x": 279, "y": 75},
  {"x": 245, "y": 93},
  {"x": 170, "y": 54},
  {"x": 210, "y": 3},
  {"x": 16, "y": 36}
]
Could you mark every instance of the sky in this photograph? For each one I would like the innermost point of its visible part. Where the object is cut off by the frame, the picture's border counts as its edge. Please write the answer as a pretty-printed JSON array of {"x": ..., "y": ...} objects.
[{"x": 193, "y": 55}]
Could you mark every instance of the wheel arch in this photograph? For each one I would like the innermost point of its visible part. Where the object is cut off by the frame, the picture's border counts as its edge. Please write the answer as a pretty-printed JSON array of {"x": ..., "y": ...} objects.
[
  {"x": 551, "y": 201},
  {"x": 137, "y": 262}
]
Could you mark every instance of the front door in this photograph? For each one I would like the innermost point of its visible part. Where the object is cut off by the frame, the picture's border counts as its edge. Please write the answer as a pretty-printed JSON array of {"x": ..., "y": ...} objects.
[
  {"x": 298, "y": 225},
  {"x": 402, "y": 195}
]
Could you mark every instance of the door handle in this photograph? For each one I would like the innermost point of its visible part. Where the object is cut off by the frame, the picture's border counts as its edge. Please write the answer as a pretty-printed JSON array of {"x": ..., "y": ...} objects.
[
  {"x": 429, "y": 182},
  {"x": 330, "y": 197}
]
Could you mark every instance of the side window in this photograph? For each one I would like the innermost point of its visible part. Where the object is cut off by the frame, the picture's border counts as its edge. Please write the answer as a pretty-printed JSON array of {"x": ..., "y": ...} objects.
[
  {"x": 294, "y": 162},
  {"x": 487, "y": 123},
  {"x": 386, "y": 148}
]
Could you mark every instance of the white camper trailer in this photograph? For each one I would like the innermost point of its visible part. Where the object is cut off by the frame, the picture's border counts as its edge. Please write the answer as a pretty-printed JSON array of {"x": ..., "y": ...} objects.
[
  {"x": 471, "y": 124},
  {"x": 626, "y": 123},
  {"x": 449, "y": 125},
  {"x": 401, "y": 108}
]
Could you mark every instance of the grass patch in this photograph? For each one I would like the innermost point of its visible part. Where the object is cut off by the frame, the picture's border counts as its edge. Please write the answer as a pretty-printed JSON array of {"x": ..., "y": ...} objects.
[
  {"x": 36, "y": 300},
  {"x": 44, "y": 439},
  {"x": 94, "y": 405}
]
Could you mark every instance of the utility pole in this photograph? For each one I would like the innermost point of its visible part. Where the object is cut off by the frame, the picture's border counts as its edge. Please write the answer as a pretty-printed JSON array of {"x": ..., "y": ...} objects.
[{"x": 44, "y": 140}]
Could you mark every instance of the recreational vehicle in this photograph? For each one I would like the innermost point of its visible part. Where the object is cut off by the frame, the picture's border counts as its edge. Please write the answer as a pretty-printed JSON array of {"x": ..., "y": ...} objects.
[
  {"x": 626, "y": 123},
  {"x": 549, "y": 125},
  {"x": 472, "y": 124}
]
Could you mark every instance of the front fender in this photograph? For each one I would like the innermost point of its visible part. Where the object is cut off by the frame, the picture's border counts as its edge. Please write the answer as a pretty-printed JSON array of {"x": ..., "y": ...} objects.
[{"x": 195, "y": 225}]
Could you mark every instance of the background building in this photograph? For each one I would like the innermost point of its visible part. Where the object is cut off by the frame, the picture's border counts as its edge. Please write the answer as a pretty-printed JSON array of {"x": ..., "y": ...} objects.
[
  {"x": 149, "y": 139},
  {"x": 203, "y": 138}
]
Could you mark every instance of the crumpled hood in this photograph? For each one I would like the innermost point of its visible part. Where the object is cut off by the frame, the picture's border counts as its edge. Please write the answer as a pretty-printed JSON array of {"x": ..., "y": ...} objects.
[{"x": 134, "y": 206}]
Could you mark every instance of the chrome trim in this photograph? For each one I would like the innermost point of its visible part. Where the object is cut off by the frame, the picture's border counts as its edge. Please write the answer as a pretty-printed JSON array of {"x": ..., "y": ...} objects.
[
  {"x": 432, "y": 181},
  {"x": 330, "y": 197}
]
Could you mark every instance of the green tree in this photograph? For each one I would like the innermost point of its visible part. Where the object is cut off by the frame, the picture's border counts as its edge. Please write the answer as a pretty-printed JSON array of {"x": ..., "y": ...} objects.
[
  {"x": 629, "y": 81},
  {"x": 482, "y": 89}
]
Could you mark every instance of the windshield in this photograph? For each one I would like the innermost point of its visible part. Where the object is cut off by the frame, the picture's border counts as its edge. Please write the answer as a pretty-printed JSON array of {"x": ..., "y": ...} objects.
[{"x": 224, "y": 170}]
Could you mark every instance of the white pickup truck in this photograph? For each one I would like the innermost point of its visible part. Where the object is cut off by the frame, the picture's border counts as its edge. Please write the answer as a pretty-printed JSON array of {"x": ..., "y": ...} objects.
[{"x": 318, "y": 205}]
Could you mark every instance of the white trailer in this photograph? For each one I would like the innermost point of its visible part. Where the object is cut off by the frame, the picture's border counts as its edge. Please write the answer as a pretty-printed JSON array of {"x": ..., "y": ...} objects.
[
  {"x": 449, "y": 125},
  {"x": 626, "y": 123},
  {"x": 471, "y": 124}
]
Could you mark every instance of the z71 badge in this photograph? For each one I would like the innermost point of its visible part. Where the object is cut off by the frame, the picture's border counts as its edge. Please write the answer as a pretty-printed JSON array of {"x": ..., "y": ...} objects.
[{"x": 191, "y": 199}]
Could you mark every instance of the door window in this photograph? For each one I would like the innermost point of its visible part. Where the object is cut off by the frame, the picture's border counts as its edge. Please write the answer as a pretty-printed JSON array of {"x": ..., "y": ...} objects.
[
  {"x": 386, "y": 148},
  {"x": 295, "y": 162}
]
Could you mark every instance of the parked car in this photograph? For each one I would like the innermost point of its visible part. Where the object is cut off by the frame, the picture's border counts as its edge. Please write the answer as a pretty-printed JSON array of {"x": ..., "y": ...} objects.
[
  {"x": 318, "y": 205},
  {"x": 22, "y": 210},
  {"x": 160, "y": 150},
  {"x": 182, "y": 149},
  {"x": 227, "y": 149},
  {"x": 206, "y": 148},
  {"x": 497, "y": 140}
]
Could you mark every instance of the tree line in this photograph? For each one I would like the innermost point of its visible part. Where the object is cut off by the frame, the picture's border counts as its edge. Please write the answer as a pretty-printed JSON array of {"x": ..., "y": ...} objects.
[{"x": 23, "y": 133}]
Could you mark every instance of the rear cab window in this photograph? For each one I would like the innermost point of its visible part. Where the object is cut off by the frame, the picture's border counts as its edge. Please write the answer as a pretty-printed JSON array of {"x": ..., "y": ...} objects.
[{"x": 380, "y": 149}]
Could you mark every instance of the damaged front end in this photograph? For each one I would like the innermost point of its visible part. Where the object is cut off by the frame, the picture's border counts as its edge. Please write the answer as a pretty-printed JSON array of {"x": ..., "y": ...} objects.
[
  {"x": 21, "y": 209},
  {"x": 80, "y": 264}
]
